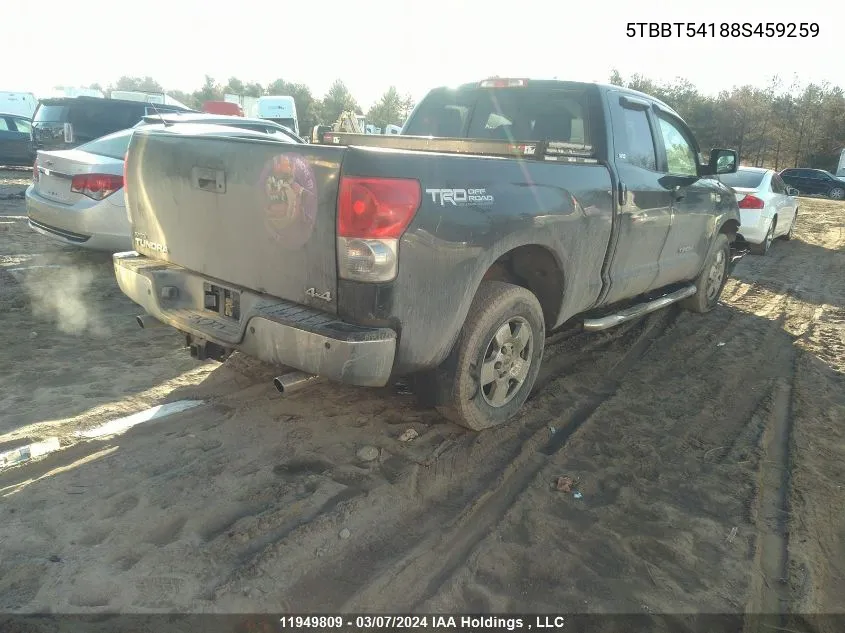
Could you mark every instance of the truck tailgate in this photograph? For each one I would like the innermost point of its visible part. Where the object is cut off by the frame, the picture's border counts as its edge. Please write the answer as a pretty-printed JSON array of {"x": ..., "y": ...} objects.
[{"x": 251, "y": 213}]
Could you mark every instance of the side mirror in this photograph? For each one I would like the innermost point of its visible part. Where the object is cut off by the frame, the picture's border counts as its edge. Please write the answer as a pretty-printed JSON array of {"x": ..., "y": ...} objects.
[
  {"x": 791, "y": 191},
  {"x": 723, "y": 161}
]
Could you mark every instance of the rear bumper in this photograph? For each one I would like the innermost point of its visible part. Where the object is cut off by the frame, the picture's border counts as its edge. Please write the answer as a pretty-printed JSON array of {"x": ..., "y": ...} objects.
[
  {"x": 754, "y": 225},
  {"x": 270, "y": 329},
  {"x": 99, "y": 226}
]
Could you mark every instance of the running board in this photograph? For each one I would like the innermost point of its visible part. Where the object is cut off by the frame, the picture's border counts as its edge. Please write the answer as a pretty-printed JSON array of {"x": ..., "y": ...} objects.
[{"x": 636, "y": 311}]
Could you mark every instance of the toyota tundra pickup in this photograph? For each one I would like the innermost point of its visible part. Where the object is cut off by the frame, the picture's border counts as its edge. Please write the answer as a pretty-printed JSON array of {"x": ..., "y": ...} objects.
[{"x": 506, "y": 209}]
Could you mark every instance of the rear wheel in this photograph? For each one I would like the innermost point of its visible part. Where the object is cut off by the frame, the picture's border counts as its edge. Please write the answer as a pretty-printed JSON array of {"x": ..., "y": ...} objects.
[
  {"x": 789, "y": 234},
  {"x": 712, "y": 278},
  {"x": 763, "y": 247},
  {"x": 490, "y": 372},
  {"x": 837, "y": 193}
]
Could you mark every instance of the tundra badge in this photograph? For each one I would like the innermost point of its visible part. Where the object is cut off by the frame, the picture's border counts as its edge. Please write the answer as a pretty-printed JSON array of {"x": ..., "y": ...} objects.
[{"x": 141, "y": 240}]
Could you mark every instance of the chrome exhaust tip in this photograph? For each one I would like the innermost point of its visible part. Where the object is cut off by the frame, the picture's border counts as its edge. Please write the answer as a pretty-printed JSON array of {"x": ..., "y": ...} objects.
[
  {"x": 294, "y": 381},
  {"x": 146, "y": 321}
]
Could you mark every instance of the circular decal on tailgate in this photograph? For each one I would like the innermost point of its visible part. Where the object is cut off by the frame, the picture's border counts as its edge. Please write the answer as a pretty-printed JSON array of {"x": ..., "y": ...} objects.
[{"x": 290, "y": 199}]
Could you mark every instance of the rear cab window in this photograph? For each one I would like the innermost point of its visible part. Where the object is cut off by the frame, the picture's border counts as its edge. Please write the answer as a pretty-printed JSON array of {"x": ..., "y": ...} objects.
[{"x": 524, "y": 113}]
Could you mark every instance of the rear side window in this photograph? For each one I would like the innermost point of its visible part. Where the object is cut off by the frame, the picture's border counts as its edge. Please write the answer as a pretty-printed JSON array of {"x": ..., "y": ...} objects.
[
  {"x": 92, "y": 120},
  {"x": 4, "y": 127},
  {"x": 22, "y": 126},
  {"x": 743, "y": 179},
  {"x": 50, "y": 114},
  {"x": 503, "y": 114},
  {"x": 112, "y": 145},
  {"x": 640, "y": 142}
]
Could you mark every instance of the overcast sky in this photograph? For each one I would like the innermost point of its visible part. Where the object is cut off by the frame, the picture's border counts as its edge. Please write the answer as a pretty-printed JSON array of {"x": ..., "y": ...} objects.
[{"x": 413, "y": 45}]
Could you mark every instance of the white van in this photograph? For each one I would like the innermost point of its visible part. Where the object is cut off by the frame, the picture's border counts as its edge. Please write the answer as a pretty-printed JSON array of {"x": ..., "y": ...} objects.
[
  {"x": 280, "y": 109},
  {"x": 22, "y": 103}
]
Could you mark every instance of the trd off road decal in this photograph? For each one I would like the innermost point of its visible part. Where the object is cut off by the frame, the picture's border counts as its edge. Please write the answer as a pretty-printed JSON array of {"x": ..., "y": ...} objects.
[{"x": 289, "y": 189}]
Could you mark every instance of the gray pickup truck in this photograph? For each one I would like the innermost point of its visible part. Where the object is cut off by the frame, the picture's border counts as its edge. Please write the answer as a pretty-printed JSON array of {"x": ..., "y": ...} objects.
[{"x": 506, "y": 209}]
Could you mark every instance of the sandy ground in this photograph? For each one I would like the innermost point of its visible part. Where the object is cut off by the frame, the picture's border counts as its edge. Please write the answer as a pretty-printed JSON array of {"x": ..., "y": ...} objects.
[{"x": 707, "y": 454}]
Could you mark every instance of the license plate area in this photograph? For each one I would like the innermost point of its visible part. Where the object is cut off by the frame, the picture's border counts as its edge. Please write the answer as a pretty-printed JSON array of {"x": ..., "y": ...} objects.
[{"x": 222, "y": 301}]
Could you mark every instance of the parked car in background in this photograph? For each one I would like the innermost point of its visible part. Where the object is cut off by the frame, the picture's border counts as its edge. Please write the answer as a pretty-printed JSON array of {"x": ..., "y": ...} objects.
[
  {"x": 257, "y": 125},
  {"x": 223, "y": 107},
  {"x": 68, "y": 122},
  {"x": 19, "y": 103},
  {"x": 76, "y": 198},
  {"x": 769, "y": 208},
  {"x": 815, "y": 182},
  {"x": 15, "y": 140}
]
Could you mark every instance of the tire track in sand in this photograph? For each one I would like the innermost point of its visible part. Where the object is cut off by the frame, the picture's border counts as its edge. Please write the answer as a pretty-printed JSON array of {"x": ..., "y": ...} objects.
[{"x": 409, "y": 568}]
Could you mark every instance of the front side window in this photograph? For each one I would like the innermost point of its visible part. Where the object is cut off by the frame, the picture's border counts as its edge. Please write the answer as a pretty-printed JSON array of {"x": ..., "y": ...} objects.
[{"x": 680, "y": 156}]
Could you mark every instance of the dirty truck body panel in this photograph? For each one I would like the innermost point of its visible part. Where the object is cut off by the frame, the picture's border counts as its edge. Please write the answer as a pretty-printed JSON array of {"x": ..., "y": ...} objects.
[{"x": 587, "y": 223}]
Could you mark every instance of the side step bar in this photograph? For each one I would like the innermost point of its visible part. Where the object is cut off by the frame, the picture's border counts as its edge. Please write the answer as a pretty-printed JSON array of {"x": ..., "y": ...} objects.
[{"x": 636, "y": 311}]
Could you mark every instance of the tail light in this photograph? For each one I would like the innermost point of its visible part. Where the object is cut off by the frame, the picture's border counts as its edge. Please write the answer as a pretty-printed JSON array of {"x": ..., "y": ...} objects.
[
  {"x": 35, "y": 171},
  {"x": 68, "y": 132},
  {"x": 372, "y": 215},
  {"x": 96, "y": 186},
  {"x": 751, "y": 202}
]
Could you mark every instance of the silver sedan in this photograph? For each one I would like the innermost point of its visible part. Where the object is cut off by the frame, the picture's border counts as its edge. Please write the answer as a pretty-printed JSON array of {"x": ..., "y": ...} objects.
[{"x": 76, "y": 195}]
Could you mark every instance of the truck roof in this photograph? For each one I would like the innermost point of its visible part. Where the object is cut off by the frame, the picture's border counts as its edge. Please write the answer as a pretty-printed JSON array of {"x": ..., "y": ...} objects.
[{"x": 559, "y": 83}]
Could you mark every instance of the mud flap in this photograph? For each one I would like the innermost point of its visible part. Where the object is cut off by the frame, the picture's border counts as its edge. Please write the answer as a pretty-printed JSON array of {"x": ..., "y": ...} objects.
[{"x": 739, "y": 249}]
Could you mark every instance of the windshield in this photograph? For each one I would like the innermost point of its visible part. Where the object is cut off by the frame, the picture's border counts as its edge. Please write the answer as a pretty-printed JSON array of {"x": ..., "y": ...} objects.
[
  {"x": 743, "y": 179},
  {"x": 111, "y": 145},
  {"x": 288, "y": 123},
  {"x": 503, "y": 114}
]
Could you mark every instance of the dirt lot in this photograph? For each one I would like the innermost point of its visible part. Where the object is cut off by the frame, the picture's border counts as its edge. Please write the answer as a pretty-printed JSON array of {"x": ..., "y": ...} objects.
[{"x": 707, "y": 453}]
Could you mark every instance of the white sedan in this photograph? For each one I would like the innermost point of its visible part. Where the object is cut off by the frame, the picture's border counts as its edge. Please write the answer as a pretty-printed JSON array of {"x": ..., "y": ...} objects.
[{"x": 769, "y": 208}]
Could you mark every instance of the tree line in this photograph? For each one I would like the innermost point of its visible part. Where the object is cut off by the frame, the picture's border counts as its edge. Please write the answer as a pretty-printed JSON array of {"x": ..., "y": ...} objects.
[
  {"x": 391, "y": 108},
  {"x": 778, "y": 126}
]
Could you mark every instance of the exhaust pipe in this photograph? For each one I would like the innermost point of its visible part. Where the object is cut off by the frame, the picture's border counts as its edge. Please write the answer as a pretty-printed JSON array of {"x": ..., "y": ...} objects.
[
  {"x": 294, "y": 381},
  {"x": 147, "y": 321}
]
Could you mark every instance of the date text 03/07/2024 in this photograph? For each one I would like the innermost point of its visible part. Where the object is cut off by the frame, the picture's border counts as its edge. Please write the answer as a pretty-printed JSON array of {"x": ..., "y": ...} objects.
[
  {"x": 723, "y": 29},
  {"x": 435, "y": 622}
]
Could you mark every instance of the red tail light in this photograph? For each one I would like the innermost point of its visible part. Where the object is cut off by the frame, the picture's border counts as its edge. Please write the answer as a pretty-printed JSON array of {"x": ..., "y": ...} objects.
[
  {"x": 35, "y": 171},
  {"x": 751, "y": 202},
  {"x": 96, "y": 186},
  {"x": 376, "y": 208}
]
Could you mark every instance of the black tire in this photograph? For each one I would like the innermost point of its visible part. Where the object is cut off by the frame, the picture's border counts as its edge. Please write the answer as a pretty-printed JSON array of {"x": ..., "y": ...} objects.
[
  {"x": 710, "y": 282},
  {"x": 512, "y": 360},
  {"x": 763, "y": 247},
  {"x": 837, "y": 193},
  {"x": 789, "y": 234}
]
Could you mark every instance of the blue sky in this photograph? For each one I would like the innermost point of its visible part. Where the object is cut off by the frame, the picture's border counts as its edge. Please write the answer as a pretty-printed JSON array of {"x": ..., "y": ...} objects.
[{"x": 413, "y": 45}]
